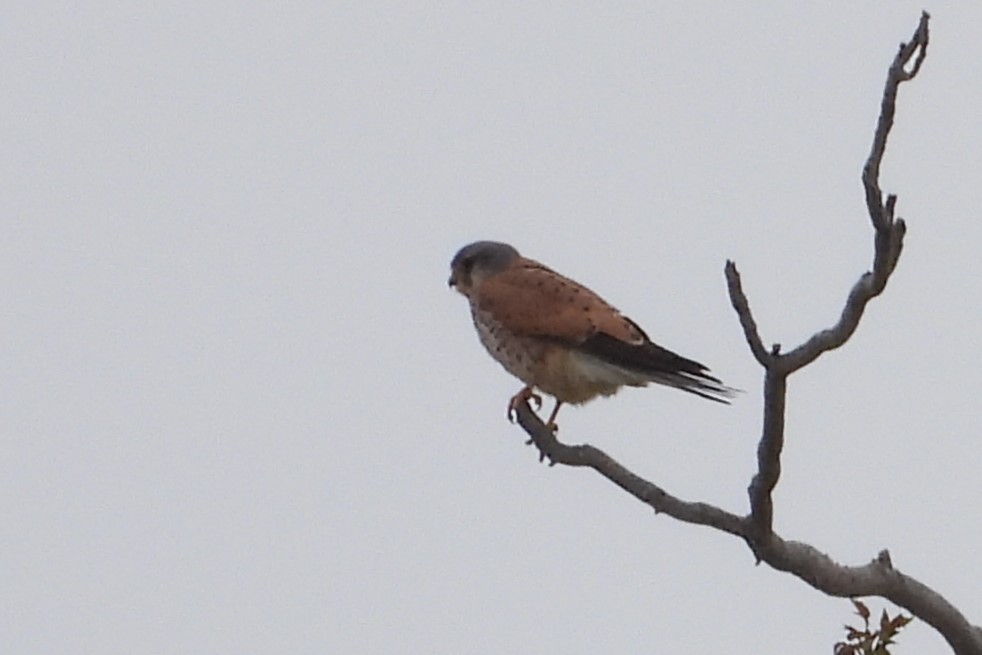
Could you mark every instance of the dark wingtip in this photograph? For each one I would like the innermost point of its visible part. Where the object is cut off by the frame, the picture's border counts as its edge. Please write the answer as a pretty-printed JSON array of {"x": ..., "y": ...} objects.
[{"x": 660, "y": 365}]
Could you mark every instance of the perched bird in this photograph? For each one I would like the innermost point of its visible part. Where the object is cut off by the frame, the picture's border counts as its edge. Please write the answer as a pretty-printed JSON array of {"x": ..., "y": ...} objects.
[{"x": 557, "y": 336}]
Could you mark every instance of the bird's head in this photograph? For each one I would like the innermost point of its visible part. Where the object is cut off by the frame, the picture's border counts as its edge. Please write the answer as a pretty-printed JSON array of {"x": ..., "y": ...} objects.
[{"x": 478, "y": 261}]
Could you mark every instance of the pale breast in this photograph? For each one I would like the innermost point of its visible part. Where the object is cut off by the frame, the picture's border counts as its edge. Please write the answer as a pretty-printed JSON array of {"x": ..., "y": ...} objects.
[{"x": 519, "y": 355}]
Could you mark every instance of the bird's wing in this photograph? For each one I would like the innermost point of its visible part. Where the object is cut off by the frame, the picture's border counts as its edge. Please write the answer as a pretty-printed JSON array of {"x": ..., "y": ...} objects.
[{"x": 529, "y": 299}]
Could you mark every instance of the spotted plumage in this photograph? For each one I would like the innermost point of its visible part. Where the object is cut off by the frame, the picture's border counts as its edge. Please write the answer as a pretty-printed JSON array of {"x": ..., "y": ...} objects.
[{"x": 560, "y": 337}]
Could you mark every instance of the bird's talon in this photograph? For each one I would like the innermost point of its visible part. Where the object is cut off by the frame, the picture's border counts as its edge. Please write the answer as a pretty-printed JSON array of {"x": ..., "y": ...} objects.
[{"x": 522, "y": 396}]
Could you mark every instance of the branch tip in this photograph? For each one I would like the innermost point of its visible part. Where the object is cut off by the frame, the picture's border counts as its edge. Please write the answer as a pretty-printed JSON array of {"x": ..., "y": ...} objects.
[{"x": 738, "y": 299}]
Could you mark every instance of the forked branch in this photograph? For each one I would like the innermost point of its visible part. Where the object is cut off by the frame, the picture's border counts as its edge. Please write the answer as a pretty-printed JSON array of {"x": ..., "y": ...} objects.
[{"x": 878, "y": 577}]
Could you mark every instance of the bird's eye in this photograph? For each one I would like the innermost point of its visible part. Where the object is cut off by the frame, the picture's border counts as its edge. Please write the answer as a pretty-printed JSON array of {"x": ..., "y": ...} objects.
[{"x": 467, "y": 264}]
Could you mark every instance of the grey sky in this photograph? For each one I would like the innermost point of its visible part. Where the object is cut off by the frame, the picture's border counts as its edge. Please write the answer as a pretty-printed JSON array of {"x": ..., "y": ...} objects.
[{"x": 242, "y": 413}]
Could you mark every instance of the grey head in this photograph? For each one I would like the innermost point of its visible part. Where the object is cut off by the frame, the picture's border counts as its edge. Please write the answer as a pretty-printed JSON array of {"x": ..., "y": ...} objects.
[{"x": 477, "y": 261}]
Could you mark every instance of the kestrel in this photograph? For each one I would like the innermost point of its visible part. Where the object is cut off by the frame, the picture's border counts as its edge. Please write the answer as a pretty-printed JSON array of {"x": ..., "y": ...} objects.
[{"x": 557, "y": 336}]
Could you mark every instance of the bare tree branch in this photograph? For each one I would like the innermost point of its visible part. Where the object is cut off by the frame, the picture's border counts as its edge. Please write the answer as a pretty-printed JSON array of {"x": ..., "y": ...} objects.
[
  {"x": 878, "y": 577},
  {"x": 898, "y": 73},
  {"x": 647, "y": 492},
  {"x": 739, "y": 301},
  {"x": 768, "y": 453},
  {"x": 889, "y": 238},
  {"x": 888, "y": 243}
]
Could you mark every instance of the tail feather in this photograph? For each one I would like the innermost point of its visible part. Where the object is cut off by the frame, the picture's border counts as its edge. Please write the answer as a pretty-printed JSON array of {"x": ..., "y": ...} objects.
[{"x": 660, "y": 365}]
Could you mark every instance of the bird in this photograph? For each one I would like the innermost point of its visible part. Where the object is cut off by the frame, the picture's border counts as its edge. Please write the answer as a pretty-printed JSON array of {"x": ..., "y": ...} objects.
[{"x": 559, "y": 337}]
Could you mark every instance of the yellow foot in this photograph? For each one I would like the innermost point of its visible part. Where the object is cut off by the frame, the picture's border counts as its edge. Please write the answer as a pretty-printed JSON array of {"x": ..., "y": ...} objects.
[{"x": 522, "y": 396}]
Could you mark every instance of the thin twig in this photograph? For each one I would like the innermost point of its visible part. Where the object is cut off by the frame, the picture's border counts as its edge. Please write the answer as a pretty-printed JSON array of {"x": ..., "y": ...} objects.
[
  {"x": 898, "y": 73},
  {"x": 742, "y": 307}
]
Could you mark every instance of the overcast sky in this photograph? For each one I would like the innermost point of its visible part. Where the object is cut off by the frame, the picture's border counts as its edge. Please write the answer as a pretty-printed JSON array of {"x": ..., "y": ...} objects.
[{"x": 242, "y": 413}]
